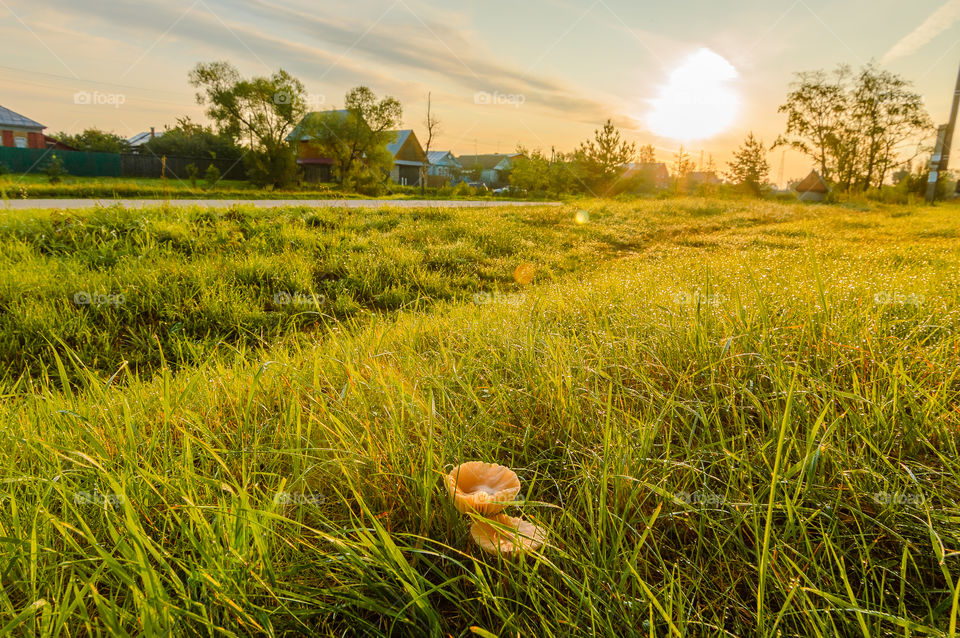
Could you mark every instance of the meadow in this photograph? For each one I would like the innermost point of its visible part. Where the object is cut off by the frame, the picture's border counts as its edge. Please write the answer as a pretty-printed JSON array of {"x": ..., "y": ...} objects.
[
  {"x": 38, "y": 186},
  {"x": 733, "y": 418}
]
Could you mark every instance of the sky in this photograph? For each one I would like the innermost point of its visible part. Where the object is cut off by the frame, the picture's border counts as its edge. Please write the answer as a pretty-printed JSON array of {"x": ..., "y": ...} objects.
[{"x": 541, "y": 73}]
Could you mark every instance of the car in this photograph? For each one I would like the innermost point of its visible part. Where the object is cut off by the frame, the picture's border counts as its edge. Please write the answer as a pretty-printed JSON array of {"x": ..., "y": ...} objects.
[{"x": 480, "y": 186}]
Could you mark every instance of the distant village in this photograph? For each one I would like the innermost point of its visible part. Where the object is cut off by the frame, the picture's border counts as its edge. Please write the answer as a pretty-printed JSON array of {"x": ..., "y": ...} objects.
[{"x": 441, "y": 167}]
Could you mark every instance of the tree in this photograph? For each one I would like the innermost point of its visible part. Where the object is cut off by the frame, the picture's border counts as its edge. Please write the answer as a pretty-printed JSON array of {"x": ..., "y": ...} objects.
[
  {"x": 889, "y": 114},
  {"x": 852, "y": 126},
  {"x": 356, "y": 138},
  {"x": 189, "y": 139},
  {"x": 815, "y": 108},
  {"x": 95, "y": 140},
  {"x": 257, "y": 113},
  {"x": 433, "y": 125},
  {"x": 682, "y": 164},
  {"x": 601, "y": 160},
  {"x": 534, "y": 172},
  {"x": 648, "y": 154},
  {"x": 749, "y": 168}
]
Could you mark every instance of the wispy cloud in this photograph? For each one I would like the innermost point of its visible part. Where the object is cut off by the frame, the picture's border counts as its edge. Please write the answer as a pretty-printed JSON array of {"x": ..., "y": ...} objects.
[
  {"x": 938, "y": 22},
  {"x": 334, "y": 48}
]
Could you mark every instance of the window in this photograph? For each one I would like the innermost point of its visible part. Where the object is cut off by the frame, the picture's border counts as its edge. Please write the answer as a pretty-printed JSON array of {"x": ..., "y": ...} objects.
[{"x": 20, "y": 142}]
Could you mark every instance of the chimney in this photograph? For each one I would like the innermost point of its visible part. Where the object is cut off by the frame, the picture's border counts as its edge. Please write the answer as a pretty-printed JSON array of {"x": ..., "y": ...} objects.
[{"x": 153, "y": 133}]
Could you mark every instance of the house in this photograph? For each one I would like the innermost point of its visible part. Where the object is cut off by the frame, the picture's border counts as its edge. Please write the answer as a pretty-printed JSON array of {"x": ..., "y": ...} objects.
[
  {"x": 316, "y": 168},
  {"x": 443, "y": 163},
  {"x": 493, "y": 168},
  {"x": 18, "y": 131},
  {"x": 812, "y": 188},
  {"x": 652, "y": 175},
  {"x": 140, "y": 139},
  {"x": 408, "y": 158},
  {"x": 702, "y": 178}
]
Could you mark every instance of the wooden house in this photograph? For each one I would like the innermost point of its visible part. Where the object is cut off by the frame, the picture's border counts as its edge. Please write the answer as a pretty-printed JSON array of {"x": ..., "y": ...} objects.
[
  {"x": 408, "y": 158},
  {"x": 491, "y": 169}
]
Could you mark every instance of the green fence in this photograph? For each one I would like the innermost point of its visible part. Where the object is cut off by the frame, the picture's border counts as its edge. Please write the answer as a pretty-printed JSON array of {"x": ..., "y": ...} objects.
[{"x": 34, "y": 160}]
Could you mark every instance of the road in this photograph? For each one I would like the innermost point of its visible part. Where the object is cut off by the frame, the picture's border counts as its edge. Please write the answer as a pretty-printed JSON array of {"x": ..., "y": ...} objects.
[{"x": 19, "y": 204}]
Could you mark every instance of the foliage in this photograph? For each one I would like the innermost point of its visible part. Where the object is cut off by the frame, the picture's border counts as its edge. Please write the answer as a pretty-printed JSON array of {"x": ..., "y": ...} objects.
[
  {"x": 356, "y": 138},
  {"x": 648, "y": 154},
  {"x": 211, "y": 176},
  {"x": 192, "y": 173},
  {"x": 601, "y": 161},
  {"x": 853, "y": 126},
  {"x": 749, "y": 167},
  {"x": 96, "y": 141},
  {"x": 533, "y": 172},
  {"x": 189, "y": 139},
  {"x": 258, "y": 113},
  {"x": 54, "y": 170},
  {"x": 732, "y": 419}
]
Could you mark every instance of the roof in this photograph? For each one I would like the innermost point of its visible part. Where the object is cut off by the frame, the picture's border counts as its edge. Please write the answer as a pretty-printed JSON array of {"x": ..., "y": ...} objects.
[
  {"x": 142, "y": 138},
  {"x": 647, "y": 166},
  {"x": 708, "y": 177},
  {"x": 812, "y": 183},
  {"x": 486, "y": 162},
  {"x": 443, "y": 158},
  {"x": 399, "y": 139},
  {"x": 10, "y": 118},
  {"x": 298, "y": 134}
]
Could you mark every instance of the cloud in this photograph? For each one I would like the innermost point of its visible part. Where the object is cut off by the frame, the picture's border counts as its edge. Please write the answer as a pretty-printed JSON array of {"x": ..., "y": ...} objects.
[
  {"x": 938, "y": 22},
  {"x": 391, "y": 53}
]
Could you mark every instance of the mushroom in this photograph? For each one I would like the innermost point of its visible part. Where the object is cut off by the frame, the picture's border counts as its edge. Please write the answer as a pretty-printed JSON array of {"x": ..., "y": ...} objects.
[
  {"x": 507, "y": 535},
  {"x": 482, "y": 488}
]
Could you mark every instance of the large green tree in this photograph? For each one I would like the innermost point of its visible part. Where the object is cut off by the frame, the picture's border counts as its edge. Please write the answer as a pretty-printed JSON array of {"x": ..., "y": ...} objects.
[
  {"x": 852, "y": 125},
  {"x": 356, "y": 137},
  {"x": 257, "y": 113}
]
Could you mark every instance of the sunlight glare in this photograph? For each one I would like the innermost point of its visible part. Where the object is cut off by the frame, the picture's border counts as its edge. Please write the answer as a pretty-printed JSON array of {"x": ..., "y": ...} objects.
[{"x": 697, "y": 103}]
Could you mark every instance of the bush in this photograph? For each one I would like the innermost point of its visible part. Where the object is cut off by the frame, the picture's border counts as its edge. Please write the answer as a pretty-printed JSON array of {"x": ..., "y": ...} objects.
[
  {"x": 464, "y": 189},
  {"x": 55, "y": 170},
  {"x": 212, "y": 175},
  {"x": 193, "y": 173},
  {"x": 277, "y": 168}
]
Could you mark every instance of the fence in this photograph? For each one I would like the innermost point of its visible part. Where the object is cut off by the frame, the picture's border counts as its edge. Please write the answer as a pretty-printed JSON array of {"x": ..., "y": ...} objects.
[{"x": 86, "y": 164}]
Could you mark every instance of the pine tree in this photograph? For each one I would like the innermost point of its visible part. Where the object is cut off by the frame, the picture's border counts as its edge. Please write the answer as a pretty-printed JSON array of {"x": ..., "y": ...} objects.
[{"x": 749, "y": 167}]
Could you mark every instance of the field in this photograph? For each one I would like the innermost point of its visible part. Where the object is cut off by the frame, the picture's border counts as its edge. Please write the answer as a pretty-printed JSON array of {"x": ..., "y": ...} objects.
[
  {"x": 734, "y": 418},
  {"x": 34, "y": 186}
]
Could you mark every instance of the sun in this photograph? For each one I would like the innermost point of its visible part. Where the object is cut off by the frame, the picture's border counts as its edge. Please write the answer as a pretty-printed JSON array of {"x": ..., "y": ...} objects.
[{"x": 698, "y": 102}]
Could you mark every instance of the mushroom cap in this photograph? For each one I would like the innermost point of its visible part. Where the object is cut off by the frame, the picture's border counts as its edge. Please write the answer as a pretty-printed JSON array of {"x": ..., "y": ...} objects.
[
  {"x": 482, "y": 488},
  {"x": 519, "y": 537}
]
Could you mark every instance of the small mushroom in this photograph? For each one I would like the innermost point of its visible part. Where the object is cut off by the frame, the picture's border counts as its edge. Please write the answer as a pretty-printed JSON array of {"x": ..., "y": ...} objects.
[
  {"x": 482, "y": 488},
  {"x": 507, "y": 535}
]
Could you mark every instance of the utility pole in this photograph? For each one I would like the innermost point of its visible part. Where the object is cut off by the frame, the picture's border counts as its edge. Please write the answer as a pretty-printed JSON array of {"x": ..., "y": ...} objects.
[
  {"x": 783, "y": 158},
  {"x": 941, "y": 154}
]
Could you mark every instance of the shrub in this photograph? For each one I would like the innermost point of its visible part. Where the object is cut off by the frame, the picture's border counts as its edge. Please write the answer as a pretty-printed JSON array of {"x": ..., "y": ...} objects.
[
  {"x": 55, "y": 170},
  {"x": 193, "y": 173},
  {"x": 211, "y": 176}
]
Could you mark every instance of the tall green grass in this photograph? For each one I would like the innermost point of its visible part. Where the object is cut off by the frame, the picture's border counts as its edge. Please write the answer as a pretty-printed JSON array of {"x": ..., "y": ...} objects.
[{"x": 746, "y": 425}]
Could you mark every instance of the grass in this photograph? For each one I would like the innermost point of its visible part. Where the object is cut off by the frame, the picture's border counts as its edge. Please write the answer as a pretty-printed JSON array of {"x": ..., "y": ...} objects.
[
  {"x": 141, "y": 288},
  {"x": 34, "y": 186},
  {"x": 744, "y": 424}
]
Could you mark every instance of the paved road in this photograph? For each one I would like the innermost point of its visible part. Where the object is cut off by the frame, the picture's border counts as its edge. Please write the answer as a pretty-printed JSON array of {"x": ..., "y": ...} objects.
[{"x": 264, "y": 203}]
